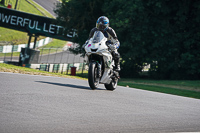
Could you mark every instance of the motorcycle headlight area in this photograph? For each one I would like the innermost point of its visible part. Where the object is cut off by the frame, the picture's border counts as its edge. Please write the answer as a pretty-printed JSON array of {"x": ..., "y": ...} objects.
[{"x": 94, "y": 50}]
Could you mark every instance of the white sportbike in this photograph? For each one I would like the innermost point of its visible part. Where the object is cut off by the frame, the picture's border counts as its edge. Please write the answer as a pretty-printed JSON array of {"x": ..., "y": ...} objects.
[{"x": 101, "y": 63}]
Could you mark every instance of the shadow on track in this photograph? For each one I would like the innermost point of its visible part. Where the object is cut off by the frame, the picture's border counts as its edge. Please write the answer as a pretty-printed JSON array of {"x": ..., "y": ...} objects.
[{"x": 69, "y": 85}]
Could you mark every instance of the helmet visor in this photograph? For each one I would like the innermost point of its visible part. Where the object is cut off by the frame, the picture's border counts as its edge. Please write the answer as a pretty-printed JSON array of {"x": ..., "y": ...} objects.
[{"x": 101, "y": 26}]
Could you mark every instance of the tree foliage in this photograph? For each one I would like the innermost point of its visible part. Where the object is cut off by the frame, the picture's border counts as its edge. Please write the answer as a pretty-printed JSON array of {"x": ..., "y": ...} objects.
[
  {"x": 164, "y": 34},
  {"x": 80, "y": 15}
]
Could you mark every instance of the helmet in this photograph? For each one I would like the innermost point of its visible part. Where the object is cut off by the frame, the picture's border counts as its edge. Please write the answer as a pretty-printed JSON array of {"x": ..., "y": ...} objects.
[{"x": 102, "y": 23}]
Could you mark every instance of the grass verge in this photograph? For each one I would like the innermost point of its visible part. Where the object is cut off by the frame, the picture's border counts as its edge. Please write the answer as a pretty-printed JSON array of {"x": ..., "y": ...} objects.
[
  {"x": 53, "y": 47},
  {"x": 8, "y": 55},
  {"x": 23, "y": 70},
  {"x": 192, "y": 85},
  {"x": 167, "y": 90}
]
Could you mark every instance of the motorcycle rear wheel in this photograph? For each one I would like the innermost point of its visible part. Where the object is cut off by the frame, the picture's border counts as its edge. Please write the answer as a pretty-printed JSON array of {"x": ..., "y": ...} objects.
[
  {"x": 93, "y": 79},
  {"x": 112, "y": 86}
]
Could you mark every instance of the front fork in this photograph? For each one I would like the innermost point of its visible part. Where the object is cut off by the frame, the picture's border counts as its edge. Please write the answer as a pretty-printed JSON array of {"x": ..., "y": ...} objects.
[
  {"x": 98, "y": 62},
  {"x": 98, "y": 69}
]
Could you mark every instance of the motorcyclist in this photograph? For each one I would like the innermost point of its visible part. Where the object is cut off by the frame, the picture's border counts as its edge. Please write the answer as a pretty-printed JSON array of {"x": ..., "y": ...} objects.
[{"x": 102, "y": 24}]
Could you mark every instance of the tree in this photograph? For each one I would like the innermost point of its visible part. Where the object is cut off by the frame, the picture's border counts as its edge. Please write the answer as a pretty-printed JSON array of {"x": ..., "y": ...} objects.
[
  {"x": 80, "y": 15},
  {"x": 164, "y": 34},
  {"x": 2, "y": 2}
]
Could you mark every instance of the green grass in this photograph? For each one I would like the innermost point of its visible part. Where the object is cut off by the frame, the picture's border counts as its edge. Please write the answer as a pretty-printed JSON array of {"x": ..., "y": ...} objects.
[
  {"x": 23, "y": 70},
  {"x": 18, "y": 37},
  {"x": 32, "y": 8},
  {"x": 55, "y": 46},
  {"x": 167, "y": 90},
  {"x": 82, "y": 75},
  {"x": 14, "y": 36},
  {"x": 184, "y": 88},
  {"x": 7, "y": 55},
  {"x": 179, "y": 84}
]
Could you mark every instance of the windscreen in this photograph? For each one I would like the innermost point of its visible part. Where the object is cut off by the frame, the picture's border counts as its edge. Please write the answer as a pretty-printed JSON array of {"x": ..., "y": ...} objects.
[{"x": 97, "y": 37}]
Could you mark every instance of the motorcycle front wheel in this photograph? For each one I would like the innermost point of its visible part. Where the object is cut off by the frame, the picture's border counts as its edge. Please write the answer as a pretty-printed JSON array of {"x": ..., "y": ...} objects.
[{"x": 93, "y": 79}]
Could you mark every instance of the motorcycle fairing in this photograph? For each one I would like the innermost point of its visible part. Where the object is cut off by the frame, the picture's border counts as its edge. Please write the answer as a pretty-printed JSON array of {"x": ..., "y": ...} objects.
[{"x": 97, "y": 45}]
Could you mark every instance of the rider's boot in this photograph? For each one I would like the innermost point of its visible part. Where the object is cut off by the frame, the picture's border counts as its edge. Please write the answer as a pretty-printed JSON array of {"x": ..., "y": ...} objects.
[
  {"x": 116, "y": 56},
  {"x": 117, "y": 65}
]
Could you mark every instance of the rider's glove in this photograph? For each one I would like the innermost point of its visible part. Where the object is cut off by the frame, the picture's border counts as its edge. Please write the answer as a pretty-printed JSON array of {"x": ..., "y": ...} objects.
[{"x": 112, "y": 47}]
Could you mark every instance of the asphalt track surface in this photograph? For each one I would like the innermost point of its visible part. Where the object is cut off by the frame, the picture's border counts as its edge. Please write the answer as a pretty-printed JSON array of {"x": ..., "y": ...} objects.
[
  {"x": 49, "y": 5},
  {"x": 42, "y": 104}
]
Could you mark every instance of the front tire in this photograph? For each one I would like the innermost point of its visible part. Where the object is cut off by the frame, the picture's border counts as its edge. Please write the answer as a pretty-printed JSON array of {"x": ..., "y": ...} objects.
[{"x": 93, "y": 79}]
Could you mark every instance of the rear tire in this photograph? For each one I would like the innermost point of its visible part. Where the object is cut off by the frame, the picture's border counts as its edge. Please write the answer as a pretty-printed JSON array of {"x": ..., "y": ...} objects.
[
  {"x": 112, "y": 86},
  {"x": 93, "y": 79}
]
